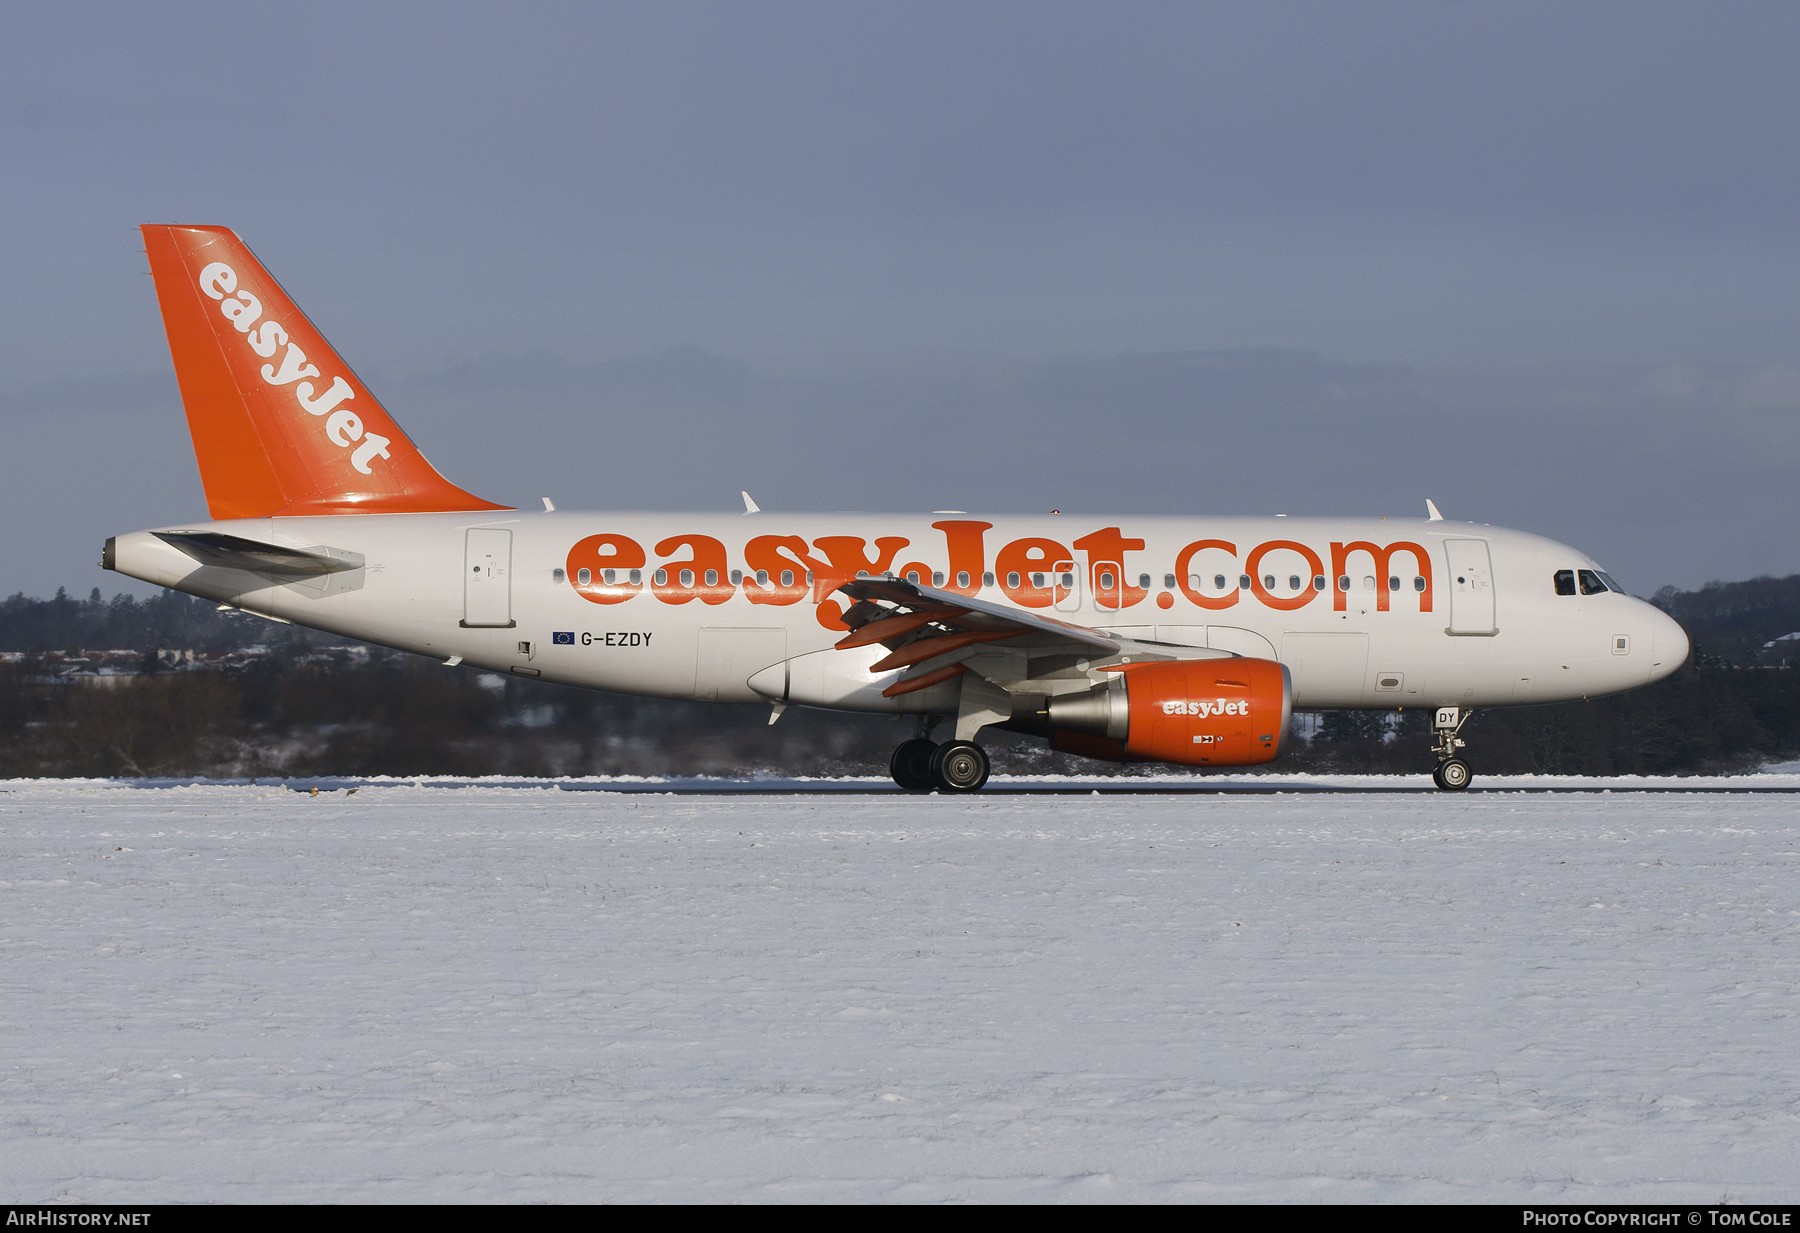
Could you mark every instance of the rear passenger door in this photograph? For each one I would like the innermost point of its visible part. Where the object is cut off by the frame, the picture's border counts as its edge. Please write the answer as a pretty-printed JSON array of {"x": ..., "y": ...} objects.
[{"x": 487, "y": 579}]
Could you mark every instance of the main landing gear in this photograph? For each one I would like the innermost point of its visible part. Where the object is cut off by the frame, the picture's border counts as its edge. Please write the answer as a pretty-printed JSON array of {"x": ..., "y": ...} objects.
[
  {"x": 1452, "y": 773},
  {"x": 923, "y": 765},
  {"x": 911, "y": 764}
]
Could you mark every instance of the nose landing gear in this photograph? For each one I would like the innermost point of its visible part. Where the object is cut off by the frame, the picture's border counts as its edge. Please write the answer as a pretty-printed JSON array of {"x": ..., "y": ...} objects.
[{"x": 1452, "y": 773}]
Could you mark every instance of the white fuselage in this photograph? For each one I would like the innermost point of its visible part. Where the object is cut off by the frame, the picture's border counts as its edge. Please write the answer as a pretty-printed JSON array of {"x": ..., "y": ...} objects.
[{"x": 1476, "y": 623}]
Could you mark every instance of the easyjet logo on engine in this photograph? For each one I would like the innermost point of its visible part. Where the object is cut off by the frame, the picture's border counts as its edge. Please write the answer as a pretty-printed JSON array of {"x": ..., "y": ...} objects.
[
  {"x": 1218, "y": 706},
  {"x": 342, "y": 426}
]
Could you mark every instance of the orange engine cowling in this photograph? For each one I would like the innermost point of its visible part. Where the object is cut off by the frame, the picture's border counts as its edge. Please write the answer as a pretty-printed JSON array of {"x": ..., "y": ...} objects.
[{"x": 1197, "y": 712}]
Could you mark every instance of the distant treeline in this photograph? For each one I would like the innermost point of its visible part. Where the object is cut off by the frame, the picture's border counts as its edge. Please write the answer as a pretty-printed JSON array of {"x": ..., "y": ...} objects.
[
  {"x": 171, "y": 621},
  {"x": 294, "y": 711},
  {"x": 1701, "y": 720}
]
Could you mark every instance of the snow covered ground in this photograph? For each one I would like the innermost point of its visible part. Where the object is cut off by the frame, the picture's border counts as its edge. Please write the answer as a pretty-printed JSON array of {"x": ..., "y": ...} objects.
[{"x": 418, "y": 993}]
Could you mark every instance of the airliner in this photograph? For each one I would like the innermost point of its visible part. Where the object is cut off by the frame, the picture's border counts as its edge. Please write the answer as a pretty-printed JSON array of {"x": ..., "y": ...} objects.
[{"x": 1185, "y": 640}]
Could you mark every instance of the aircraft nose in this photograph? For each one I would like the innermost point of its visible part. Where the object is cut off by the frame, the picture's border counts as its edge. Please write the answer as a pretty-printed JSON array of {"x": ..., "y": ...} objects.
[{"x": 1668, "y": 645}]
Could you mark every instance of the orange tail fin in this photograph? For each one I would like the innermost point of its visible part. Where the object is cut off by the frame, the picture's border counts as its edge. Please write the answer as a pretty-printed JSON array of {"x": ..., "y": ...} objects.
[{"x": 280, "y": 423}]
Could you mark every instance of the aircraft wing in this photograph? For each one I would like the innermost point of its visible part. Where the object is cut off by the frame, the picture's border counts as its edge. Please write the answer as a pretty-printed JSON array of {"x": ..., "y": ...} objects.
[
  {"x": 918, "y": 624},
  {"x": 954, "y": 614}
]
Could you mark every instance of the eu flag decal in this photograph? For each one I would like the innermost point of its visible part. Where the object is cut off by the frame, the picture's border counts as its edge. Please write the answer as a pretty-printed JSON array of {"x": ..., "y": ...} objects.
[{"x": 563, "y": 637}]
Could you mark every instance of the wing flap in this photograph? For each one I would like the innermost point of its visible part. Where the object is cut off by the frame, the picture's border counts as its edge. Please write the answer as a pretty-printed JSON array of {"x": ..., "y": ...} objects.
[
  {"x": 930, "y": 648},
  {"x": 912, "y": 684}
]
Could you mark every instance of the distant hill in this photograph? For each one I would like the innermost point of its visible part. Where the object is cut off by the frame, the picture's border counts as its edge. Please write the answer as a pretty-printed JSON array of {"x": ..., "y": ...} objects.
[{"x": 1730, "y": 621}]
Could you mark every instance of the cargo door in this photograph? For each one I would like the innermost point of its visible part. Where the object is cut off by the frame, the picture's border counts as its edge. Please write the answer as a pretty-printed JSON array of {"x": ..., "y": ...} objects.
[
  {"x": 1471, "y": 587},
  {"x": 487, "y": 579}
]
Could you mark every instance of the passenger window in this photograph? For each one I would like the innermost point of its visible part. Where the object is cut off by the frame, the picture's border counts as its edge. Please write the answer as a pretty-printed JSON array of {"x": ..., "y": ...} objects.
[
  {"x": 1368, "y": 583},
  {"x": 762, "y": 577},
  {"x": 912, "y": 576},
  {"x": 1268, "y": 582},
  {"x": 687, "y": 577},
  {"x": 962, "y": 578},
  {"x": 1218, "y": 582},
  {"x": 1590, "y": 582},
  {"x": 661, "y": 577},
  {"x": 987, "y": 580},
  {"x": 1418, "y": 584},
  {"x": 584, "y": 575},
  {"x": 1318, "y": 582},
  {"x": 1169, "y": 582},
  {"x": 1343, "y": 582},
  {"x": 1293, "y": 582},
  {"x": 1037, "y": 580},
  {"x": 1068, "y": 581},
  {"x": 712, "y": 577},
  {"x": 637, "y": 577},
  {"x": 1106, "y": 580},
  {"x": 737, "y": 577},
  {"x": 1393, "y": 583},
  {"x": 1144, "y": 581},
  {"x": 1243, "y": 582},
  {"x": 608, "y": 576},
  {"x": 1565, "y": 582},
  {"x": 1012, "y": 579},
  {"x": 937, "y": 578},
  {"x": 787, "y": 578},
  {"x": 556, "y": 575}
]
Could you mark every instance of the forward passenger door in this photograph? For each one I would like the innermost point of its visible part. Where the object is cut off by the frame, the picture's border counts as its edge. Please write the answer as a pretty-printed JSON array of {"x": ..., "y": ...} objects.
[{"x": 1471, "y": 587}]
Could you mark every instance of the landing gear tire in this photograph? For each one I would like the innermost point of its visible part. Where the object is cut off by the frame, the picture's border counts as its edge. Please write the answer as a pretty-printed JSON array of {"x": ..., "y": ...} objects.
[
  {"x": 1452, "y": 775},
  {"x": 910, "y": 764},
  {"x": 959, "y": 766}
]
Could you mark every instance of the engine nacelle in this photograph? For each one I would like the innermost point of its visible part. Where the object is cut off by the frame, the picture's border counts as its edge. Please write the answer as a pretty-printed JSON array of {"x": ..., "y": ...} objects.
[{"x": 1197, "y": 712}]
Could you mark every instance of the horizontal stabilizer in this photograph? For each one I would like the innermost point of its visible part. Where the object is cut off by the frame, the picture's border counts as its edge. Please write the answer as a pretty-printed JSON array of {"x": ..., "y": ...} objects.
[{"x": 235, "y": 552}]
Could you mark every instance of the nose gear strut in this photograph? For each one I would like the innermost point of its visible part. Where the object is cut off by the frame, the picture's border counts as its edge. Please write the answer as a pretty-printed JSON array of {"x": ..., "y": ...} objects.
[{"x": 1452, "y": 773}]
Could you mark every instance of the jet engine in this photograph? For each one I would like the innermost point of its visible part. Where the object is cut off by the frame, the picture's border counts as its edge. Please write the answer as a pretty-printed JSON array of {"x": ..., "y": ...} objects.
[{"x": 1199, "y": 712}]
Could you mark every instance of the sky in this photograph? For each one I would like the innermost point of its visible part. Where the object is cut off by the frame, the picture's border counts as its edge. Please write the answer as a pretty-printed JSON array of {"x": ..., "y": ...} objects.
[{"x": 1537, "y": 262}]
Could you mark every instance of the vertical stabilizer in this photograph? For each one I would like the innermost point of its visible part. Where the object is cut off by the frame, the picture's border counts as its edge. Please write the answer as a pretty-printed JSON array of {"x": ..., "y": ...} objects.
[{"x": 280, "y": 423}]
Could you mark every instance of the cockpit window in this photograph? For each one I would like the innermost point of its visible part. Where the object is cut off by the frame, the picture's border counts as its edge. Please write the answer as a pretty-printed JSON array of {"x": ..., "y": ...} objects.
[
  {"x": 1590, "y": 582},
  {"x": 1612, "y": 584},
  {"x": 1565, "y": 582}
]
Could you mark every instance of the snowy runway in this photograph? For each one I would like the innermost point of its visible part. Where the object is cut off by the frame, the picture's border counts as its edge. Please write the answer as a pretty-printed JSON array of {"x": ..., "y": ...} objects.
[{"x": 486, "y": 993}]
